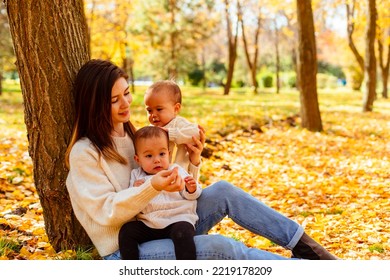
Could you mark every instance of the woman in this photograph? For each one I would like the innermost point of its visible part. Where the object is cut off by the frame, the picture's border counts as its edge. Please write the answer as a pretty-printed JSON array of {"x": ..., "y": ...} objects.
[{"x": 100, "y": 159}]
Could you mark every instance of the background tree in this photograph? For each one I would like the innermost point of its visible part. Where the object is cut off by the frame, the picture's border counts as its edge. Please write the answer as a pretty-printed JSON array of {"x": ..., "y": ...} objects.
[
  {"x": 384, "y": 61},
  {"x": 291, "y": 34},
  {"x": 251, "y": 51},
  {"x": 108, "y": 22},
  {"x": 232, "y": 38},
  {"x": 277, "y": 54},
  {"x": 351, "y": 19},
  {"x": 370, "y": 59},
  {"x": 51, "y": 43},
  {"x": 307, "y": 67},
  {"x": 383, "y": 39},
  {"x": 6, "y": 49},
  {"x": 352, "y": 8},
  {"x": 282, "y": 21},
  {"x": 173, "y": 32}
]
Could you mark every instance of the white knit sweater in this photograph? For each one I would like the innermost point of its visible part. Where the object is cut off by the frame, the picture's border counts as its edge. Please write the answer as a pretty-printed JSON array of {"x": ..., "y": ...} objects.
[
  {"x": 100, "y": 195},
  {"x": 180, "y": 132},
  {"x": 168, "y": 207}
]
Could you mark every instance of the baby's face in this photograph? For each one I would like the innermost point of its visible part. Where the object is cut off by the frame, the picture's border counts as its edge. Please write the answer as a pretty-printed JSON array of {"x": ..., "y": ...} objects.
[
  {"x": 153, "y": 154},
  {"x": 161, "y": 108}
]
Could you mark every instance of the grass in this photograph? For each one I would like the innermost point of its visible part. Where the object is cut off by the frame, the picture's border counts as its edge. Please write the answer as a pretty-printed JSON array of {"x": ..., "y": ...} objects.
[
  {"x": 376, "y": 247},
  {"x": 339, "y": 167},
  {"x": 7, "y": 246},
  {"x": 11, "y": 109},
  {"x": 85, "y": 254},
  {"x": 217, "y": 113}
]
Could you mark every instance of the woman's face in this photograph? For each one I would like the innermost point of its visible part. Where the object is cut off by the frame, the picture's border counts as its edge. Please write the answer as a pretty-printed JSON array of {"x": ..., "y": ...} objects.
[{"x": 120, "y": 104}]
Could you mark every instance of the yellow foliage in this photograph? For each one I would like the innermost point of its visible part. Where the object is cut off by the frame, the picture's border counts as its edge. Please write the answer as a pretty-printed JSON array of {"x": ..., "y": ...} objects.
[
  {"x": 24, "y": 253},
  {"x": 336, "y": 183}
]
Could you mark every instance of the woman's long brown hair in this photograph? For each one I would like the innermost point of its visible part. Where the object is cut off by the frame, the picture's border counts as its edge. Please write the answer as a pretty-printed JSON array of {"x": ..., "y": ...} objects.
[{"x": 92, "y": 95}]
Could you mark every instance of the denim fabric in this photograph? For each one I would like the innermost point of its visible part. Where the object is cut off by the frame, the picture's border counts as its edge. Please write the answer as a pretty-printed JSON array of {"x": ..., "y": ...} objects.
[
  {"x": 208, "y": 247},
  {"x": 112, "y": 257},
  {"x": 223, "y": 199},
  {"x": 217, "y": 201}
]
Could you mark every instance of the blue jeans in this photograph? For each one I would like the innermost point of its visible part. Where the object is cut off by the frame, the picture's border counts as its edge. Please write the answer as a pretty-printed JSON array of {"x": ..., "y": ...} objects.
[{"x": 223, "y": 199}]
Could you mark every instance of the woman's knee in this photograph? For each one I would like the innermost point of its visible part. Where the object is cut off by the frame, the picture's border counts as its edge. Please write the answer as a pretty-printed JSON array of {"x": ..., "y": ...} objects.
[
  {"x": 222, "y": 188},
  {"x": 217, "y": 196}
]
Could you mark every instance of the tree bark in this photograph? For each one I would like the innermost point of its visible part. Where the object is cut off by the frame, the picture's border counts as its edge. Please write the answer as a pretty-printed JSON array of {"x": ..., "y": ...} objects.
[
  {"x": 350, "y": 10},
  {"x": 252, "y": 62},
  {"x": 307, "y": 67},
  {"x": 232, "y": 49},
  {"x": 277, "y": 57},
  {"x": 172, "y": 68},
  {"x": 51, "y": 43},
  {"x": 384, "y": 64},
  {"x": 350, "y": 29},
  {"x": 370, "y": 60}
]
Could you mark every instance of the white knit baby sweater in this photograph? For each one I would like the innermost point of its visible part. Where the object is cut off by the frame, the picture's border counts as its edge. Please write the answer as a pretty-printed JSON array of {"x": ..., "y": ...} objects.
[
  {"x": 100, "y": 195},
  {"x": 180, "y": 132},
  {"x": 168, "y": 207}
]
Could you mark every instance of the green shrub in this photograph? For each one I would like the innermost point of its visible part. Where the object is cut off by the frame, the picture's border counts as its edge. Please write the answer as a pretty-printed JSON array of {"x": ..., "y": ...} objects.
[
  {"x": 330, "y": 69},
  {"x": 196, "y": 76},
  {"x": 267, "y": 80},
  {"x": 238, "y": 84},
  {"x": 292, "y": 80},
  {"x": 354, "y": 77}
]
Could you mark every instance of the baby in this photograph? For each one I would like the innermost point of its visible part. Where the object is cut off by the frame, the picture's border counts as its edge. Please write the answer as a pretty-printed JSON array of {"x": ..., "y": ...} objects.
[
  {"x": 163, "y": 103},
  {"x": 169, "y": 214}
]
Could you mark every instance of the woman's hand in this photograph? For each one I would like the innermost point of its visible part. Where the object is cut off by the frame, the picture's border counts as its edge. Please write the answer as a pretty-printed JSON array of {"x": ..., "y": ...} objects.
[
  {"x": 195, "y": 150},
  {"x": 168, "y": 180}
]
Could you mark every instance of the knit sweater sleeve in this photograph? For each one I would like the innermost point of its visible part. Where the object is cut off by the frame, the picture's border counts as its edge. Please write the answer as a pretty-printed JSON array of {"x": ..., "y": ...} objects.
[
  {"x": 136, "y": 174},
  {"x": 180, "y": 130},
  {"x": 96, "y": 192},
  {"x": 185, "y": 194}
]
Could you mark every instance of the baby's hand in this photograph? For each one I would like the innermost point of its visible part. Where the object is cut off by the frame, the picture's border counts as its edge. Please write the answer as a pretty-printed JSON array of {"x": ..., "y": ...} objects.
[
  {"x": 190, "y": 184},
  {"x": 139, "y": 182}
]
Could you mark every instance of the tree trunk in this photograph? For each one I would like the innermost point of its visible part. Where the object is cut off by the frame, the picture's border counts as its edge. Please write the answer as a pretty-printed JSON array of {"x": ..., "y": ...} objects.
[
  {"x": 131, "y": 74},
  {"x": 350, "y": 29},
  {"x": 370, "y": 60},
  {"x": 307, "y": 67},
  {"x": 252, "y": 62},
  {"x": 229, "y": 78},
  {"x": 385, "y": 80},
  {"x": 232, "y": 49},
  {"x": 294, "y": 61},
  {"x": 172, "y": 69},
  {"x": 204, "y": 69},
  {"x": 350, "y": 10},
  {"x": 277, "y": 57},
  {"x": 384, "y": 64},
  {"x": 51, "y": 43},
  {"x": 127, "y": 62}
]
